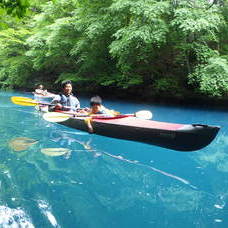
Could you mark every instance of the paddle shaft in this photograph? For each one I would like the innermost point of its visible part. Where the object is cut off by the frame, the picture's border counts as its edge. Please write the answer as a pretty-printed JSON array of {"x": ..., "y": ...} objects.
[
  {"x": 143, "y": 114},
  {"x": 98, "y": 116},
  {"x": 24, "y": 101}
]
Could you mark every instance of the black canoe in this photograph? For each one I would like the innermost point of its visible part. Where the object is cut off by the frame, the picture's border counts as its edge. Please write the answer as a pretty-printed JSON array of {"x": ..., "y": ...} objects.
[{"x": 181, "y": 137}]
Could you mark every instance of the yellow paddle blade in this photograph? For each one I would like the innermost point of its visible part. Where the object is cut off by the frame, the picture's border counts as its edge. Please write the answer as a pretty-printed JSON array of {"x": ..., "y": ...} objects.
[
  {"x": 144, "y": 114},
  {"x": 56, "y": 117},
  {"x": 25, "y": 101}
]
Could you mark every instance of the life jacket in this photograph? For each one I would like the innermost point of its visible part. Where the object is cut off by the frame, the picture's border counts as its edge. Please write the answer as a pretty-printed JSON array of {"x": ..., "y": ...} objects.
[
  {"x": 69, "y": 102},
  {"x": 106, "y": 111}
]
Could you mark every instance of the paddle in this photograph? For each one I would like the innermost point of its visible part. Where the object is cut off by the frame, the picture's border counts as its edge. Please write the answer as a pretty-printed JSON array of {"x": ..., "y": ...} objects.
[
  {"x": 60, "y": 117},
  {"x": 25, "y": 101}
]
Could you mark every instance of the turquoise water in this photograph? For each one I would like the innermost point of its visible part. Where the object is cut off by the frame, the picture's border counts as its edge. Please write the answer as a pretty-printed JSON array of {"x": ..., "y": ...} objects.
[{"x": 103, "y": 182}]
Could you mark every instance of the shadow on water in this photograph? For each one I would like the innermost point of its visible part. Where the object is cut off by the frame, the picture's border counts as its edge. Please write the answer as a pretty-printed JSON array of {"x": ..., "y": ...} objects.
[{"x": 94, "y": 181}]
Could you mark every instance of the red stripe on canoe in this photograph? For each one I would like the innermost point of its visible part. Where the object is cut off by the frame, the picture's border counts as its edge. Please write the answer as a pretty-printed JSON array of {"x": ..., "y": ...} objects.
[{"x": 136, "y": 122}]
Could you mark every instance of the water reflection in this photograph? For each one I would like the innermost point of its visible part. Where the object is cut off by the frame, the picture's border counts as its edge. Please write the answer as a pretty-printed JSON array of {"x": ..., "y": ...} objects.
[
  {"x": 46, "y": 210},
  {"x": 21, "y": 143},
  {"x": 217, "y": 155},
  {"x": 54, "y": 152},
  {"x": 66, "y": 139}
]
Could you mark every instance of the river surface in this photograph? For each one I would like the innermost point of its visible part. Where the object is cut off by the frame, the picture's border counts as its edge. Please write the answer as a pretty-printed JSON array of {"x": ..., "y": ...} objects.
[{"x": 100, "y": 182}]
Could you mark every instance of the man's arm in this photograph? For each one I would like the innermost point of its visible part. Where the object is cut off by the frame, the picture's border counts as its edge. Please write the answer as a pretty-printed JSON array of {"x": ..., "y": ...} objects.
[
  {"x": 56, "y": 100},
  {"x": 77, "y": 103}
]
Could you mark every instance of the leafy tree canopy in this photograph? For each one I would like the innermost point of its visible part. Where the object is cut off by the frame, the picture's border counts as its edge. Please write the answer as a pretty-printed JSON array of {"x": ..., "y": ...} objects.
[
  {"x": 15, "y": 7},
  {"x": 151, "y": 47}
]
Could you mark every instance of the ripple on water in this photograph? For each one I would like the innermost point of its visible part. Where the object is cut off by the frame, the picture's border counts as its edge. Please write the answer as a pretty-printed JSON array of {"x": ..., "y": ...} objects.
[{"x": 46, "y": 210}]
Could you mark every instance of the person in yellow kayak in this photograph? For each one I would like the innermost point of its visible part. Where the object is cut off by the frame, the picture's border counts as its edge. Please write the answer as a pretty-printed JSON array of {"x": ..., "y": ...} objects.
[{"x": 66, "y": 101}]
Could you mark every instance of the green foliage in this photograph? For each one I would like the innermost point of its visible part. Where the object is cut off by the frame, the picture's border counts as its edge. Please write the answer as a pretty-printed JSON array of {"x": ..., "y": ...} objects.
[
  {"x": 197, "y": 29},
  {"x": 141, "y": 28},
  {"x": 212, "y": 77},
  {"x": 196, "y": 20},
  {"x": 223, "y": 45},
  {"x": 69, "y": 76},
  {"x": 123, "y": 44},
  {"x": 20, "y": 8},
  {"x": 15, "y": 7},
  {"x": 203, "y": 52},
  {"x": 120, "y": 80},
  {"x": 168, "y": 86},
  {"x": 49, "y": 48},
  {"x": 15, "y": 67}
]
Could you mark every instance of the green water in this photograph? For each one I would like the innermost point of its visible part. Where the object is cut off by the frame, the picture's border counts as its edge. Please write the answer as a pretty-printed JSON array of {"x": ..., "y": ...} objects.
[{"x": 103, "y": 182}]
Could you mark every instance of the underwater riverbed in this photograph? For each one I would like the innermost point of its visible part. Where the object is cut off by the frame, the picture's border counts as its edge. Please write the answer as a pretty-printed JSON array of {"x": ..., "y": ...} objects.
[{"x": 55, "y": 176}]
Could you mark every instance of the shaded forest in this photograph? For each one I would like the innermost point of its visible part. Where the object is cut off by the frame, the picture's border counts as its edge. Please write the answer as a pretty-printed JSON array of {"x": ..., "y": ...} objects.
[{"x": 151, "y": 49}]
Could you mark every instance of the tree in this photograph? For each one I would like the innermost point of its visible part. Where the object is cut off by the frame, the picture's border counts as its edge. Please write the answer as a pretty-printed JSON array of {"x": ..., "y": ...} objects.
[
  {"x": 15, "y": 67},
  {"x": 15, "y": 7},
  {"x": 148, "y": 47}
]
